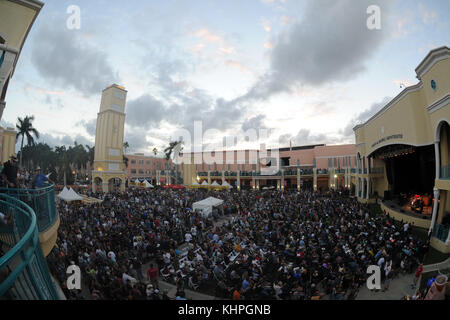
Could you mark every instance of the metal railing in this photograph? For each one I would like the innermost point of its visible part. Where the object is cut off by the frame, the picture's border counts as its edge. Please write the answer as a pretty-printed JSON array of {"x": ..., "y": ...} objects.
[
  {"x": 441, "y": 232},
  {"x": 445, "y": 172},
  {"x": 353, "y": 170},
  {"x": 24, "y": 273},
  {"x": 42, "y": 201}
]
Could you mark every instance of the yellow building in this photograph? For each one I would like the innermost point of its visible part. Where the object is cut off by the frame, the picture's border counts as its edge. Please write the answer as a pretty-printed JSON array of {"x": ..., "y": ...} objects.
[
  {"x": 403, "y": 152},
  {"x": 109, "y": 168},
  {"x": 8, "y": 143}
]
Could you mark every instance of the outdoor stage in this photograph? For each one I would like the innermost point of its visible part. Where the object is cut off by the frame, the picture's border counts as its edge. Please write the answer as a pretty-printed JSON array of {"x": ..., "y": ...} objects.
[{"x": 402, "y": 213}]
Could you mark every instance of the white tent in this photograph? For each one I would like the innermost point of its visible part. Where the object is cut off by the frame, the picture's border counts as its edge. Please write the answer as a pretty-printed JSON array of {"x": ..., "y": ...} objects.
[
  {"x": 70, "y": 195},
  {"x": 227, "y": 185},
  {"x": 194, "y": 185},
  {"x": 215, "y": 184},
  {"x": 63, "y": 192},
  {"x": 148, "y": 184},
  {"x": 205, "y": 184},
  {"x": 206, "y": 206}
]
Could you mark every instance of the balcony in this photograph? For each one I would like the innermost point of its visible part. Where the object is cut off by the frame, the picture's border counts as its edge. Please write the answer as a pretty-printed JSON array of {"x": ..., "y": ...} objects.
[
  {"x": 353, "y": 170},
  {"x": 322, "y": 171},
  {"x": 340, "y": 171},
  {"x": 24, "y": 273},
  {"x": 42, "y": 201},
  {"x": 290, "y": 173}
]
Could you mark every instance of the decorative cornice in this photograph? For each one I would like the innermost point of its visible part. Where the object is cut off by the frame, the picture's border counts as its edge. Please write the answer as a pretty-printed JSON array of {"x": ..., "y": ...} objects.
[
  {"x": 439, "y": 104},
  {"x": 430, "y": 60},
  {"x": 32, "y": 4},
  {"x": 400, "y": 96}
]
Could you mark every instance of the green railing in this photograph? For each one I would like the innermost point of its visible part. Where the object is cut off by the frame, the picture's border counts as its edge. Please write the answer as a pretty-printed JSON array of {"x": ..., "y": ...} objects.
[
  {"x": 441, "y": 232},
  {"x": 445, "y": 172},
  {"x": 353, "y": 170},
  {"x": 24, "y": 273},
  {"x": 42, "y": 201}
]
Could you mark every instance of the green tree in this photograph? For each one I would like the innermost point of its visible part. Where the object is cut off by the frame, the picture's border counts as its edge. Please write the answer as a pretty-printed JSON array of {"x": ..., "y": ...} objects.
[
  {"x": 126, "y": 146},
  {"x": 25, "y": 129},
  {"x": 155, "y": 151}
]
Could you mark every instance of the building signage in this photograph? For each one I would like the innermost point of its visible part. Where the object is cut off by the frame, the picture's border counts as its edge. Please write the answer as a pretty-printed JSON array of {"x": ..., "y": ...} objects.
[{"x": 395, "y": 136}]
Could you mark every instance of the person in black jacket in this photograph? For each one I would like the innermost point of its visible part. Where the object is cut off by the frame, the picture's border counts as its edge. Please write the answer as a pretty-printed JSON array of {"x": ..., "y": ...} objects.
[{"x": 9, "y": 172}]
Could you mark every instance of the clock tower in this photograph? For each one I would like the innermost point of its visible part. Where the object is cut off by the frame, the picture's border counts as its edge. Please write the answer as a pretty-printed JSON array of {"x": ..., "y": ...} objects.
[{"x": 109, "y": 168}]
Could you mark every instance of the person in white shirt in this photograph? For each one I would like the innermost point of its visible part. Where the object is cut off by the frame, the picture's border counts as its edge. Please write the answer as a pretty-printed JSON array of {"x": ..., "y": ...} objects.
[
  {"x": 381, "y": 261},
  {"x": 188, "y": 237}
]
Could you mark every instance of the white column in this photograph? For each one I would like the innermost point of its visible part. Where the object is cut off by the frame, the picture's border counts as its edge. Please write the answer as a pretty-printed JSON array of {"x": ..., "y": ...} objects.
[
  {"x": 298, "y": 180},
  {"x": 357, "y": 186},
  {"x": 368, "y": 188},
  {"x": 363, "y": 189},
  {"x": 435, "y": 209},
  {"x": 223, "y": 177},
  {"x": 209, "y": 177},
  {"x": 239, "y": 180},
  {"x": 438, "y": 159}
]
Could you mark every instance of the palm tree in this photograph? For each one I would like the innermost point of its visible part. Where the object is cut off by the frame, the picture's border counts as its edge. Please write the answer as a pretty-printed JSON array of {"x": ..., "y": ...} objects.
[
  {"x": 155, "y": 151},
  {"x": 171, "y": 148},
  {"x": 126, "y": 145},
  {"x": 25, "y": 129}
]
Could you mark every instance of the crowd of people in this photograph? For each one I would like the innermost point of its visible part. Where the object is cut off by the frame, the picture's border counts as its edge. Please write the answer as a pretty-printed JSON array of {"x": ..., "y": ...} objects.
[
  {"x": 268, "y": 245},
  {"x": 20, "y": 178}
]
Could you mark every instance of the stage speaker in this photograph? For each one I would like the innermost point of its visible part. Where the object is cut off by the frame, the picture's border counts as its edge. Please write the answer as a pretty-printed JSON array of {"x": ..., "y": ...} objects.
[{"x": 387, "y": 195}]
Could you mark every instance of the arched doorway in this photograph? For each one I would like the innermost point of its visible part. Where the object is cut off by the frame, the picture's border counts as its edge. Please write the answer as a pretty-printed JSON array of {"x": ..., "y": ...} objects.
[
  {"x": 97, "y": 185},
  {"x": 114, "y": 185}
]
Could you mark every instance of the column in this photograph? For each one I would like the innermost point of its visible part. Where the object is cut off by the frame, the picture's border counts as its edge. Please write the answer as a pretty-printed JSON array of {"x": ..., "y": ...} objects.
[
  {"x": 209, "y": 177},
  {"x": 122, "y": 186},
  {"x": 94, "y": 186},
  {"x": 282, "y": 179},
  {"x": 223, "y": 177},
  {"x": 438, "y": 159},
  {"x": 363, "y": 195},
  {"x": 368, "y": 188},
  {"x": 239, "y": 180},
  {"x": 315, "y": 179},
  {"x": 298, "y": 180},
  {"x": 435, "y": 209}
]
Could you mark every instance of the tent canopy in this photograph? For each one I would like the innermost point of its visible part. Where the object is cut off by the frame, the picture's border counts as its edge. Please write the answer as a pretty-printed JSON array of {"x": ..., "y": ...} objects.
[
  {"x": 215, "y": 184},
  {"x": 147, "y": 184},
  {"x": 205, "y": 184},
  {"x": 69, "y": 195},
  {"x": 226, "y": 185},
  {"x": 207, "y": 205}
]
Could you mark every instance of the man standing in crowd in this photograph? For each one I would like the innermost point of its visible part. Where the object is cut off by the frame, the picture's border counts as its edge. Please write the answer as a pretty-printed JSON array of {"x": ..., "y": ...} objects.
[
  {"x": 39, "y": 179},
  {"x": 9, "y": 172},
  {"x": 152, "y": 275}
]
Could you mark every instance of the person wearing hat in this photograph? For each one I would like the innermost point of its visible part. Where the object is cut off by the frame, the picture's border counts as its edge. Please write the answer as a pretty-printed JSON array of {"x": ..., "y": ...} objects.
[
  {"x": 39, "y": 179},
  {"x": 9, "y": 172}
]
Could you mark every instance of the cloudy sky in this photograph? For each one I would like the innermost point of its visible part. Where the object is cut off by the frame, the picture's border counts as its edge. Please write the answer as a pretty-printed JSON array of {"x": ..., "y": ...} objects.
[{"x": 308, "y": 70}]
